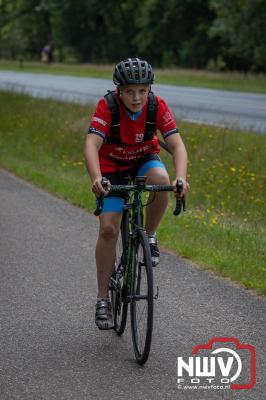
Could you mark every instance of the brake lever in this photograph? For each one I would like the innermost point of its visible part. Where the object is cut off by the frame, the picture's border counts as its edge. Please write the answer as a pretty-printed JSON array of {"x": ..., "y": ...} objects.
[
  {"x": 100, "y": 199},
  {"x": 180, "y": 201}
]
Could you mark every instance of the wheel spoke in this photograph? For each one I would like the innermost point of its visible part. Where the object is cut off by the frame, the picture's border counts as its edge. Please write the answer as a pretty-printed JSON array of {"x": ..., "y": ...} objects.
[
  {"x": 142, "y": 304},
  {"x": 119, "y": 307}
]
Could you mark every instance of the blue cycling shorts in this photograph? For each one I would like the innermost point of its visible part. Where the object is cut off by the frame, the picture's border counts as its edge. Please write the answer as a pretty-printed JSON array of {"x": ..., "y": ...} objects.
[{"x": 115, "y": 203}]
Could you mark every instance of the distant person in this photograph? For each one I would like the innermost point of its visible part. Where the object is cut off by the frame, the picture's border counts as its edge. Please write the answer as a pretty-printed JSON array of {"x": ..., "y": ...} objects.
[
  {"x": 47, "y": 54},
  {"x": 131, "y": 149}
]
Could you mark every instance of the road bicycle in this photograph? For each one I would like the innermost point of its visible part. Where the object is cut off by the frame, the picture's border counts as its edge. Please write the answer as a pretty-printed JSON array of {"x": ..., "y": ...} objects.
[{"x": 132, "y": 279}]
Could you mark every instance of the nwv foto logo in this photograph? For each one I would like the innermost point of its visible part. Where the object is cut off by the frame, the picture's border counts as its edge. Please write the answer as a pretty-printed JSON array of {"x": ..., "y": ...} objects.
[{"x": 235, "y": 367}]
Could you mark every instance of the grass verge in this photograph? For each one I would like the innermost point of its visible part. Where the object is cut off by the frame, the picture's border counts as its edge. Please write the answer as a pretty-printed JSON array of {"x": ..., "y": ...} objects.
[
  {"x": 171, "y": 76},
  {"x": 224, "y": 227}
]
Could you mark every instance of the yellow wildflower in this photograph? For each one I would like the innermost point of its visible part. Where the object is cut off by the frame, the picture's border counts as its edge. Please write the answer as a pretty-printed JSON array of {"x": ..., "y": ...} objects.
[{"x": 214, "y": 220}]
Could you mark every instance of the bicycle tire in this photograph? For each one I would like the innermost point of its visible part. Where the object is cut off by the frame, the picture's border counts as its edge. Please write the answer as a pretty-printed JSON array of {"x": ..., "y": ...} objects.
[
  {"x": 142, "y": 285},
  {"x": 119, "y": 295}
]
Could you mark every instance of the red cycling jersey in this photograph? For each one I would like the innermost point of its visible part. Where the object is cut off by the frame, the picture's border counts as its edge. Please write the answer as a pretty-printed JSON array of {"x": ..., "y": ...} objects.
[{"x": 114, "y": 157}]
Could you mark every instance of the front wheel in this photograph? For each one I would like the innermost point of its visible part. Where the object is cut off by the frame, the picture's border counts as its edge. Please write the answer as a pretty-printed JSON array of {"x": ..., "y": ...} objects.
[{"x": 142, "y": 298}]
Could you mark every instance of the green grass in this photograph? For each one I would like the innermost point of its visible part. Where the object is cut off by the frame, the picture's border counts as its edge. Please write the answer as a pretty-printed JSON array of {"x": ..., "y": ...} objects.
[
  {"x": 172, "y": 76},
  {"x": 224, "y": 227}
]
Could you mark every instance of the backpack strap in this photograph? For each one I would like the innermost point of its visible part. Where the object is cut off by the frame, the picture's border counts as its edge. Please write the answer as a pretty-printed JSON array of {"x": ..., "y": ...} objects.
[
  {"x": 152, "y": 108},
  {"x": 113, "y": 106}
]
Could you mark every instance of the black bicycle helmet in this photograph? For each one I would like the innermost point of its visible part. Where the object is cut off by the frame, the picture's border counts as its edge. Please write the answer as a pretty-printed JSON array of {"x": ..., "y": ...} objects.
[{"x": 132, "y": 71}]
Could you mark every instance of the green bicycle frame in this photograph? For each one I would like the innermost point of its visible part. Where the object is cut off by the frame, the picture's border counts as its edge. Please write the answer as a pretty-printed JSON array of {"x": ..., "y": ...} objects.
[{"x": 135, "y": 210}]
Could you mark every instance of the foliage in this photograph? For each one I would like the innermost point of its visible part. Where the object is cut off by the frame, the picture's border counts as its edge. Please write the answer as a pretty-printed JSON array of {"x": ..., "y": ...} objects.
[
  {"x": 240, "y": 24},
  {"x": 226, "y": 34},
  {"x": 177, "y": 32}
]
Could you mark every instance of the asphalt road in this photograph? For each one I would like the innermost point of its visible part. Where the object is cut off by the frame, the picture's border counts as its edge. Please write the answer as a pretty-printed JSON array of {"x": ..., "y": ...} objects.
[
  {"x": 49, "y": 345},
  {"x": 231, "y": 109}
]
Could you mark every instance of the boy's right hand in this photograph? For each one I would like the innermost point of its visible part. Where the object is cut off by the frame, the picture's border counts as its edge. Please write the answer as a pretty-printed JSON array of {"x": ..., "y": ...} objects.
[{"x": 98, "y": 188}]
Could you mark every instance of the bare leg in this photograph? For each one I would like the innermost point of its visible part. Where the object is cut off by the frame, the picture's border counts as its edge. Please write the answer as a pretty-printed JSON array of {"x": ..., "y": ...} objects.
[
  {"x": 105, "y": 250},
  {"x": 155, "y": 210}
]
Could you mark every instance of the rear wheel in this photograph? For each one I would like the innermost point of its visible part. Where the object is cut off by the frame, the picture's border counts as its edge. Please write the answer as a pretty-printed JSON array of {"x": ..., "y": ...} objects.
[
  {"x": 118, "y": 287},
  {"x": 142, "y": 298}
]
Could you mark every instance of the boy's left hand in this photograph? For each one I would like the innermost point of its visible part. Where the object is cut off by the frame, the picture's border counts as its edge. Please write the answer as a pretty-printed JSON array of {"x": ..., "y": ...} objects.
[{"x": 185, "y": 189}]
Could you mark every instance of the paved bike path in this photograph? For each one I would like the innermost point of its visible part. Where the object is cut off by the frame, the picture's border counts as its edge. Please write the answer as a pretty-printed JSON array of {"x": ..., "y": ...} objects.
[{"x": 49, "y": 346}]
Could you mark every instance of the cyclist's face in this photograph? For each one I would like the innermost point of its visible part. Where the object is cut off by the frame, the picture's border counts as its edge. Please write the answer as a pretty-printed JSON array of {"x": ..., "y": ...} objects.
[{"x": 134, "y": 96}]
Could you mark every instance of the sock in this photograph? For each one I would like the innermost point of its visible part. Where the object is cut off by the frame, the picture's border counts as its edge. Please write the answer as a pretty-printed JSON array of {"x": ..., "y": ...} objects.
[
  {"x": 152, "y": 236},
  {"x": 104, "y": 298}
]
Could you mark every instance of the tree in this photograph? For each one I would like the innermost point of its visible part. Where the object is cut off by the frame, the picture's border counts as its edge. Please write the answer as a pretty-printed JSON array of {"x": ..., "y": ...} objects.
[
  {"x": 187, "y": 33},
  {"x": 176, "y": 32},
  {"x": 24, "y": 28},
  {"x": 240, "y": 25}
]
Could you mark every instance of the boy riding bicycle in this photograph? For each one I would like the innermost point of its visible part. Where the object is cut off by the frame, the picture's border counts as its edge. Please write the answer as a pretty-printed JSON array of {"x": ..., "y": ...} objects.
[{"x": 122, "y": 141}]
